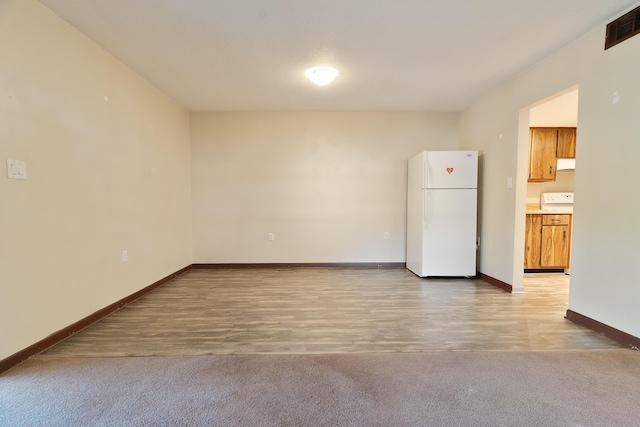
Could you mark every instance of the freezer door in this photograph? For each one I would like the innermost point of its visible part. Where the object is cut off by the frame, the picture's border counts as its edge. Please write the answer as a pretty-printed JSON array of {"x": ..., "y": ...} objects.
[
  {"x": 451, "y": 169},
  {"x": 449, "y": 233}
]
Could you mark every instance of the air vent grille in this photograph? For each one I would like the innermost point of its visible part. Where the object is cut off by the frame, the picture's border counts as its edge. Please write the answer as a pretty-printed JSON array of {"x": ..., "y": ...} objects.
[{"x": 623, "y": 28}]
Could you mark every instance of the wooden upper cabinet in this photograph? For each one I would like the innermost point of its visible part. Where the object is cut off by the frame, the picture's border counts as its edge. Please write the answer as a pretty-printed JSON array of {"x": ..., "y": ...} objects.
[
  {"x": 542, "y": 154},
  {"x": 566, "y": 148},
  {"x": 546, "y": 146}
]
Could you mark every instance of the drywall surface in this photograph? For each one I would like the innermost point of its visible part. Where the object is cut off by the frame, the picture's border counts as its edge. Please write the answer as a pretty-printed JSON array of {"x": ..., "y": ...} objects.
[
  {"x": 327, "y": 185},
  {"x": 493, "y": 131},
  {"x": 565, "y": 181},
  {"x": 107, "y": 162},
  {"x": 605, "y": 229}
]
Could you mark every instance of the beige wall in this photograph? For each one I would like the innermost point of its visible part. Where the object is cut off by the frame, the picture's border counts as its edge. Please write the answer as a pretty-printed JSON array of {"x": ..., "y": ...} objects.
[
  {"x": 328, "y": 185},
  {"x": 606, "y": 231},
  {"x": 564, "y": 183},
  {"x": 606, "y": 226},
  {"x": 104, "y": 175}
]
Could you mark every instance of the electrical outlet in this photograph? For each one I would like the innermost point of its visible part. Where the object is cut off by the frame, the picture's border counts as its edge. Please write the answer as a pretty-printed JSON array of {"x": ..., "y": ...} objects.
[
  {"x": 272, "y": 236},
  {"x": 125, "y": 256},
  {"x": 386, "y": 235}
]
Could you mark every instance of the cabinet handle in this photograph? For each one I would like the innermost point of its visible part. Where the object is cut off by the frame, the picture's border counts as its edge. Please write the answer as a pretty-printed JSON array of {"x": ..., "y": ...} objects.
[
  {"x": 550, "y": 169},
  {"x": 564, "y": 235}
]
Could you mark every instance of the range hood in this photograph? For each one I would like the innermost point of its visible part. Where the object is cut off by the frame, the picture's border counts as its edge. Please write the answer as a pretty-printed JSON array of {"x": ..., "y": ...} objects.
[{"x": 566, "y": 165}]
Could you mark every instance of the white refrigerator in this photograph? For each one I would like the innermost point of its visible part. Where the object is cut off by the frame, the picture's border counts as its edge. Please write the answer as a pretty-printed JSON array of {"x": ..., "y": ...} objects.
[{"x": 442, "y": 207}]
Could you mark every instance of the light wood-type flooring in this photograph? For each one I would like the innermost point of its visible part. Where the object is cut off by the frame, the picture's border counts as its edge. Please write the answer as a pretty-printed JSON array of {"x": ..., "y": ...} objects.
[{"x": 325, "y": 310}]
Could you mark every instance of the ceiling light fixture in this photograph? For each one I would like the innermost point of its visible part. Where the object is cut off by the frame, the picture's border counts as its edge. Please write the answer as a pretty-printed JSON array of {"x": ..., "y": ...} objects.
[{"x": 321, "y": 75}]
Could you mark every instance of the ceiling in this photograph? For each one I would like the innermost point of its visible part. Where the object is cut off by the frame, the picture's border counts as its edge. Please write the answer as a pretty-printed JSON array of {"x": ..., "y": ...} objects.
[{"x": 400, "y": 55}]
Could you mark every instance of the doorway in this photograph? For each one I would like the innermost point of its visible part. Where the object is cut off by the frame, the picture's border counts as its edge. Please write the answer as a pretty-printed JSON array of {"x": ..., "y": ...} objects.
[{"x": 557, "y": 111}]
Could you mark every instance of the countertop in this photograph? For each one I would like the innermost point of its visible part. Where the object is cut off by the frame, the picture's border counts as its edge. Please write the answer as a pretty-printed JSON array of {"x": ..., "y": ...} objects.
[
  {"x": 535, "y": 209},
  {"x": 540, "y": 211}
]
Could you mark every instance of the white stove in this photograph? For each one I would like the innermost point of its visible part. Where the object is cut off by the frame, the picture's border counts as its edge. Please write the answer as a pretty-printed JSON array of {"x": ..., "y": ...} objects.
[{"x": 558, "y": 202}]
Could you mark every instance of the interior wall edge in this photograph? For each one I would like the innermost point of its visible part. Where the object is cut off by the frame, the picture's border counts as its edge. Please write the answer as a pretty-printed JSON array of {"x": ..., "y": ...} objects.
[
  {"x": 301, "y": 265},
  {"x": 69, "y": 331},
  {"x": 617, "y": 335},
  {"x": 495, "y": 282}
]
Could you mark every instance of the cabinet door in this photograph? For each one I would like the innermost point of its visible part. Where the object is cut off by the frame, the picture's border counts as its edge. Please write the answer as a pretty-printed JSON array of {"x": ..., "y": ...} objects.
[
  {"x": 542, "y": 154},
  {"x": 533, "y": 241},
  {"x": 566, "y": 148},
  {"x": 555, "y": 246}
]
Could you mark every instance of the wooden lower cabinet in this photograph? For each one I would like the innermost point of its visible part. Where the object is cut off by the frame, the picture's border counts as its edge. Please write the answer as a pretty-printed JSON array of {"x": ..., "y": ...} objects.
[
  {"x": 547, "y": 241},
  {"x": 533, "y": 242}
]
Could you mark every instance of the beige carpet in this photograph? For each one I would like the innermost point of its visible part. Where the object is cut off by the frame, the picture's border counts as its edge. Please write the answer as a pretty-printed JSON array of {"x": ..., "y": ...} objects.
[{"x": 595, "y": 388}]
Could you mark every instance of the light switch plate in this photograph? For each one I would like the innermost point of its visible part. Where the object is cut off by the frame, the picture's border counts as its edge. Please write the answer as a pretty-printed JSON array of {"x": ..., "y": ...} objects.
[{"x": 16, "y": 169}]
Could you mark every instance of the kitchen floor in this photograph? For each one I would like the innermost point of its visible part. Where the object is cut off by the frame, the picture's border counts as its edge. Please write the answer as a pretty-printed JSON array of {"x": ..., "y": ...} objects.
[
  {"x": 545, "y": 283},
  {"x": 323, "y": 310}
]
